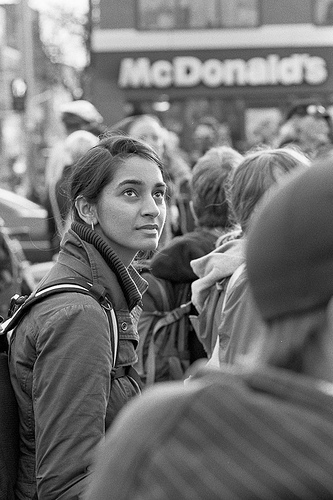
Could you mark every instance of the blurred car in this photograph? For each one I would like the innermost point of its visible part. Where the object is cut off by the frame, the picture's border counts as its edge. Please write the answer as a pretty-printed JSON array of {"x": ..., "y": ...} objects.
[
  {"x": 28, "y": 222},
  {"x": 12, "y": 264},
  {"x": 17, "y": 275}
]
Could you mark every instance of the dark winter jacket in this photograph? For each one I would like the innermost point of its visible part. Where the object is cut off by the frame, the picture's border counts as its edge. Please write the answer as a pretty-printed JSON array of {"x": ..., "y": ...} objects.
[
  {"x": 60, "y": 363},
  {"x": 172, "y": 263}
]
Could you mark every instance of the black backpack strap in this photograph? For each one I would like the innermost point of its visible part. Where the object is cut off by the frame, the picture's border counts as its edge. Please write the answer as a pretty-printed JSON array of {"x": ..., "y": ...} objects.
[
  {"x": 78, "y": 285},
  {"x": 127, "y": 371}
]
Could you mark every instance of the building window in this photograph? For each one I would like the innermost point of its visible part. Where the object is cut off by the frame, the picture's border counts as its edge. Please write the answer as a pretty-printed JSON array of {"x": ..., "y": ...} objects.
[
  {"x": 192, "y": 14},
  {"x": 156, "y": 14},
  {"x": 323, "y": 12},
  {"x": 238, "y": 13}
]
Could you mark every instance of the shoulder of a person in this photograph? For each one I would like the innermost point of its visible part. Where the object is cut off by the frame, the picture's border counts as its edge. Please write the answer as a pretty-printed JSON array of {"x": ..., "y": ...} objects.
[
  {"x": 150, "y": 410},
  {"x": 60, "y": 307},
  {"x": 174, "y": 246}
]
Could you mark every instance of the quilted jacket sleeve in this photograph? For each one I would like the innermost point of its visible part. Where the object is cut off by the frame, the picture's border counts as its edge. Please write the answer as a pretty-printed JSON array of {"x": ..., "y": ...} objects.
[{"x": 71, "y": 387}]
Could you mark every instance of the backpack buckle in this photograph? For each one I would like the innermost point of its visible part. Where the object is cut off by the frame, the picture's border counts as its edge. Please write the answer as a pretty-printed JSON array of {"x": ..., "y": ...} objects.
[{"x": 15, "y": 302}]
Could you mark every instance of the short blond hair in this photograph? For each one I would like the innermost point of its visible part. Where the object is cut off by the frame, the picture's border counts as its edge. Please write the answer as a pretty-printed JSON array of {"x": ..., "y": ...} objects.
[{"x": 259, "y": 171}]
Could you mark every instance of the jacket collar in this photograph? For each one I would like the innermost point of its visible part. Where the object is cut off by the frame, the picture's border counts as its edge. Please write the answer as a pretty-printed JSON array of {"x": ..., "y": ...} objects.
[{"x": 91, "y": 263}]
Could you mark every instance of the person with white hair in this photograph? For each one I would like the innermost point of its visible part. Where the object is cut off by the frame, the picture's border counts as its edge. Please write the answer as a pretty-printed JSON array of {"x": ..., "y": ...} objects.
[
  {"x": 75, "y": 146},
  {"x": 76, "y": 116}
]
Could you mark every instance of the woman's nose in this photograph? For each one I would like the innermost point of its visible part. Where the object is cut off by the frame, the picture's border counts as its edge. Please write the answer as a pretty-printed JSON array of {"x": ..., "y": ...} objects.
[{"x": 150, "y": 207}]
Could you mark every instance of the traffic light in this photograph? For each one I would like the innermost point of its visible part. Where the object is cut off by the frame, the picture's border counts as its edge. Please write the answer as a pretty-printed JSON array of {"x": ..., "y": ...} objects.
[{"x": 18, "y": 89}]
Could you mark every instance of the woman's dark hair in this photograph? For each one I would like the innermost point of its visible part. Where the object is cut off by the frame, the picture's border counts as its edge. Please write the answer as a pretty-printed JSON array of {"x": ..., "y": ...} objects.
[{"x": 96, "y": 169}]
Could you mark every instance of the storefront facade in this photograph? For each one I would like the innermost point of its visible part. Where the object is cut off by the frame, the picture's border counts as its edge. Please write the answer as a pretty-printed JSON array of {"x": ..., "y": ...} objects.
[{"x": 243, "y": 76}]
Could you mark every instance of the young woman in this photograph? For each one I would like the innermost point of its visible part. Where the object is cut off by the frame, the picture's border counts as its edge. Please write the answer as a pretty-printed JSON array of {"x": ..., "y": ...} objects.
[{"x": 60, "y": 355}]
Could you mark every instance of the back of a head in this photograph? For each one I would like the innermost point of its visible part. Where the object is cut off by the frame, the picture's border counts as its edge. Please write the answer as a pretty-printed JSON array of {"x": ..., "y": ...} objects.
[
  {"x": 258, "y": 172},
  {"x": 210, "y": 177},
  {"x": 290, "y": 245},
  {"x": 78, "y": 143}
]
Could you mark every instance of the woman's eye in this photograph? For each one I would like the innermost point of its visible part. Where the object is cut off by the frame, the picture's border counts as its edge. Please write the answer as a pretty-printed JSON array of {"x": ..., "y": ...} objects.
[
  {"x": 159, "y": 194},
  {"x": 130, "y": 192}
]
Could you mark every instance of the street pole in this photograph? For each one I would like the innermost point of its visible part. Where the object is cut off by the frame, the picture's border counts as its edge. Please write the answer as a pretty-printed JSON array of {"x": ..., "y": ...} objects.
[
  {"x": 4, "y": 92},
  {"x": 28, "y": 74}
]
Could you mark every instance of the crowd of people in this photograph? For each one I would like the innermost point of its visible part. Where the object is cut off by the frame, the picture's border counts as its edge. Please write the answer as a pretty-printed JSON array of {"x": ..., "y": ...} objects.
[{"x": 248, "y": 234}]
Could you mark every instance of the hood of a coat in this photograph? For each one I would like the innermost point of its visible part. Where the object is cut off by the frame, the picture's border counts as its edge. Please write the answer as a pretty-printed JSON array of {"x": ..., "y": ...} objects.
[{"x": 215, "y": 266}]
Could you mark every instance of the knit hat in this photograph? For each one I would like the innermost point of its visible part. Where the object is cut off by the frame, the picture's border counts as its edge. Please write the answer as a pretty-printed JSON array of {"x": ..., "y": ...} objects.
[{"x": 290, "y": 245}]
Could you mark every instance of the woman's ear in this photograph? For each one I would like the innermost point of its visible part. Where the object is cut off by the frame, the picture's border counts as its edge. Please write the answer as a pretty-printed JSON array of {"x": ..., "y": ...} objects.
[{"x": 86, "y": 210}]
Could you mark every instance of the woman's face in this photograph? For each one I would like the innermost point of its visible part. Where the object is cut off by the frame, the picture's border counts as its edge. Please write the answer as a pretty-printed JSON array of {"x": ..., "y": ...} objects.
[
  {"x": 131, "y": 208},
  {"x": 151, "y": 132}
]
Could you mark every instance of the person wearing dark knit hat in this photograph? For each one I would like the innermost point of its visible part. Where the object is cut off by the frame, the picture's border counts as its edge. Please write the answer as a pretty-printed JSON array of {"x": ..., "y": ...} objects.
[
  {"x": 290, "y": 247},
  {"x": 290, "y": 268},
  {"x": 264, "y": 428}
]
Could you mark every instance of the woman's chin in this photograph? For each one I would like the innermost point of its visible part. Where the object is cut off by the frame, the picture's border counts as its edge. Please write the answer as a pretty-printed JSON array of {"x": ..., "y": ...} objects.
[{"x": 150, "y": 247}]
